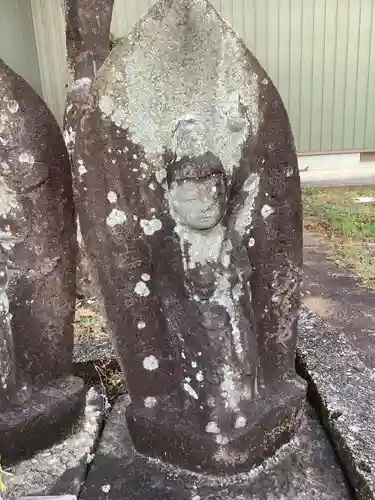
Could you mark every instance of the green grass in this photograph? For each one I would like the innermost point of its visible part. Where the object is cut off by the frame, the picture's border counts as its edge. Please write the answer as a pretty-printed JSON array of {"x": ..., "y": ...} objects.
[{"x": 350, "y": 226}]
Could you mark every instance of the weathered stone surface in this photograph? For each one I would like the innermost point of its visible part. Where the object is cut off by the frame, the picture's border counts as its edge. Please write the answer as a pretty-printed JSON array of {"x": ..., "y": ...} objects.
[
  {"x": 87, "y": 38},
  {"x": 189, "y": 202},
  {"x": 61, "y": 469},
  {"x": 344, "y": 389},
  {"x": 304, "y": 469},
  {"x": 37, "y": 275}
]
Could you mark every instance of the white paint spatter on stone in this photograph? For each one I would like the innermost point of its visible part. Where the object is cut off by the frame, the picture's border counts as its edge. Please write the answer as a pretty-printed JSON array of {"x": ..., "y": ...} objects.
[
  {"x": 8, "y": 199},
  {"x": 150, "y": 402},
  {"x": 112, "y": 197},
  {"x": 240, "y": 422},
  {"x": 157, "y": 90},
  {"x": 212, "y": 428},
  {"x": 25, "y": 157},
  {"x": 13, "y": 106},
  {"x": 187, "y": 387},
  {"x": 142, "y": 289},
  {"x": 141, "y": 325},
  {"x": 245, "y": 213},
  {"x": 150, "y": 227},
  {"x": 150, "y": 363},
  {"x": 116, "y": 218},
  {"x": 267, "y": 211}
]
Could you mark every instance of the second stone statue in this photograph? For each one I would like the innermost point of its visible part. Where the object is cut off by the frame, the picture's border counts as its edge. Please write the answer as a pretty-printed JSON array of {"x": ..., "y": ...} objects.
[{"x": 190, "y": 208}]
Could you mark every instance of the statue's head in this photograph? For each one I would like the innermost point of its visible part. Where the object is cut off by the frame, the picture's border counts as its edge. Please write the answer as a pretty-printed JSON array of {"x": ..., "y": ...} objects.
[
  {"x": 197, "y": 191},
  {"x": 196, "y": 179}
]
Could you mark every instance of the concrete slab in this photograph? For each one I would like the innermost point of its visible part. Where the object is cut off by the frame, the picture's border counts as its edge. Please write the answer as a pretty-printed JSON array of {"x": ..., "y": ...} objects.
[
  {"x": 337, "y": 295},
  {"x": 342, "y": 388}
]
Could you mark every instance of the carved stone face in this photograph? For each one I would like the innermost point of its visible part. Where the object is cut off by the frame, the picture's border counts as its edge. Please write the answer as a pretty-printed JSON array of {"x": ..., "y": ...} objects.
[{"x": 198, "y": 194}]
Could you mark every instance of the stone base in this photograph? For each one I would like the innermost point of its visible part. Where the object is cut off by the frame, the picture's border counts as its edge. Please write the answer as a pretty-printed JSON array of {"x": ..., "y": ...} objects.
[
  {"x": 60, "y": 470},
  {"x": 270, "y": 424},
  {"x": 45, "y": 418},
  {"x": 303, "y": 469}
]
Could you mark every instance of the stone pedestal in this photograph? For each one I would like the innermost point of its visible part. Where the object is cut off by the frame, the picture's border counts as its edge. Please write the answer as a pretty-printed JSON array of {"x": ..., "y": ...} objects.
[
  {"x": 45, "y": 416},
  {"x": 269, "y": 424}
]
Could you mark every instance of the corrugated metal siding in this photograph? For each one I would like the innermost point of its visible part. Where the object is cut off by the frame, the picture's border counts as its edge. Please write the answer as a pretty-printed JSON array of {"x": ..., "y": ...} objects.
[
  {"x": 320, "y": 55},
  {"x": 49, "y": 25},
  {"x": 17, "y": 40}
]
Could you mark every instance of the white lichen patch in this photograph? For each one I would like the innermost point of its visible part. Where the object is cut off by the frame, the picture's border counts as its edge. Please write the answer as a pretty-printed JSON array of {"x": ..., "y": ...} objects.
[
  {"x": 203, "y": 246},
  {"x": 150, "y": 363},
  {"x": 150, "y": 227},
  {"x": 81, "y": 168},
  {"x": 226, "y": 253},
  {"x": 230, "y": 388},
  {"x": 240, "y": 422},
  {"x": 150, "y": 402},
  {"x": 70, "y": 138},
  {"x": 251, "y": 242},
  {"x": 13, "y": 106},
  {"x": 150, "y": 102},
  {"x": 245, "y": 213},
  {"x": 107, "y": 105},
  {"x": 223, "y": 440},
  {"x": 8, "y": 199},
  {"x": 187, "y": 387},
  {"x": 267, "y": 211},
  {"x": 141, "y": 325},
  {"x": 194, "y": 364},
  {"x": 212, "y": 428},
  {"x": 142, "y": 289},
  {"x": 106, "y": 488},
  {"x": 112, "y": 197},
  {"x": 223, "y": 296},
  {"x": 116, "y": 218},
  {"x": 146, "y": 277},
  {"x": 6, "y": 340},
  {"x": 26, "y": 158},
  {"x": 199, "y": 376}
]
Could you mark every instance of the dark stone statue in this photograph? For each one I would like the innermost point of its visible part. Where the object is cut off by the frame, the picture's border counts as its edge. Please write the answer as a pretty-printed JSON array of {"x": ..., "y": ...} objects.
[
  {"x": 87, "y": 38},
  {"x": 39, "y": 399},
  {"x": 190, "y": 207}
]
